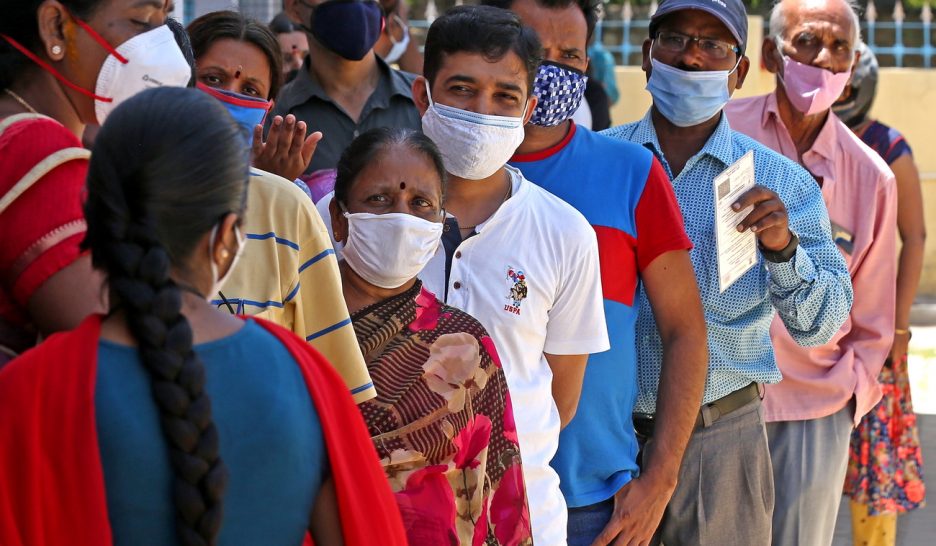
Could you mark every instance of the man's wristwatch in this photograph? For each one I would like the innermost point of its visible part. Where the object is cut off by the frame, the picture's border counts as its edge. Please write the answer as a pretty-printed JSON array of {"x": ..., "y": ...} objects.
[{"x": 785, "y": 254}]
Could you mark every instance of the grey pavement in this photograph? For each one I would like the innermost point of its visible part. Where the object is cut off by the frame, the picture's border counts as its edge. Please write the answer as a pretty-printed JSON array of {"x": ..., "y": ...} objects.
[{"x": 917, "y": 528}]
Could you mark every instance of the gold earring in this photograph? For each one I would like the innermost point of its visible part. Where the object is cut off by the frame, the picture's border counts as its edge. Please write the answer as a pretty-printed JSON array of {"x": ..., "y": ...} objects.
[{"x": 225, "y": 253}]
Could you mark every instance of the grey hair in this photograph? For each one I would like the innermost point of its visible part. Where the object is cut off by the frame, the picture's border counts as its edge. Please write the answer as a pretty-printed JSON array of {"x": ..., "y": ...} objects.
[{"x": 777, "y": 24}]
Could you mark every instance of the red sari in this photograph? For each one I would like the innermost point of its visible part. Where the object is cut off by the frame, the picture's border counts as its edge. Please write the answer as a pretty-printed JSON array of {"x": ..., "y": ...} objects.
[{"x": 52, "y": 490}]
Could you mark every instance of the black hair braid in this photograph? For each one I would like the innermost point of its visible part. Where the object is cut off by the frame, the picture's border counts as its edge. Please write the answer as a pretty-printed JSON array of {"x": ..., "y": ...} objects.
[
  {"x": 145, "y": 215},
  {"x": 138, "y": 274}
]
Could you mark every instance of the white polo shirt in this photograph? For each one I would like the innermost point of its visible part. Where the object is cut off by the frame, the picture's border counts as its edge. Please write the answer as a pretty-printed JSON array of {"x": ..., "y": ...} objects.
[{"x": 556, "y": 307}]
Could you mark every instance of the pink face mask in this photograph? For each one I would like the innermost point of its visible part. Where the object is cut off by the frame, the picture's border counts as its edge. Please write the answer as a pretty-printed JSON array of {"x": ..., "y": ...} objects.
[{"x": 811, "y": 89}]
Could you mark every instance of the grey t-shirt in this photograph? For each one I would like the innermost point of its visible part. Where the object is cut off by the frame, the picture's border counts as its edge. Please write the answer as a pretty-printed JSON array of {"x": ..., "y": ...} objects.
[{"x": 390, "y": 105}]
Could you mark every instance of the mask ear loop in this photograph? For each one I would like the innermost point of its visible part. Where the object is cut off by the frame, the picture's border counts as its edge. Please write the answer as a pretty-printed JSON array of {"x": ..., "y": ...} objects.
[
  {"x": 737, "y": 64},
  {"x": 428, "y": 92},
  {"x": 51, "y": 70},
  {"x": 48, "y": 68}
]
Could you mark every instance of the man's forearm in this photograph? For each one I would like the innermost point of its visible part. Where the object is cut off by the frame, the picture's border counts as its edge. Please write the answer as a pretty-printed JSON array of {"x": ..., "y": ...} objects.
[{"x": 682, "y": 383}]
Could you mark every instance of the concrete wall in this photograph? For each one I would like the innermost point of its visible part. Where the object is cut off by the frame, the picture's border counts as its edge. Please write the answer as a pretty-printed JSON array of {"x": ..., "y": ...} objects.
[{"x": 906, "y": 99}]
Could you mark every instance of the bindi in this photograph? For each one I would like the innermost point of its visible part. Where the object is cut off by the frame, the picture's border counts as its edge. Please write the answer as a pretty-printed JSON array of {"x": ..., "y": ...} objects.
[
  {"x": 237, "y": 72},
  {"x": 402, "y": 185}
]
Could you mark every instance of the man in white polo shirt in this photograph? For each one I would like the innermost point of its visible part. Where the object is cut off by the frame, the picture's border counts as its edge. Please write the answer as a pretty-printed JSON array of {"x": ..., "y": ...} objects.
[
  {"x": 514, "y": 256},
  {"x": 517, "y": 258}
]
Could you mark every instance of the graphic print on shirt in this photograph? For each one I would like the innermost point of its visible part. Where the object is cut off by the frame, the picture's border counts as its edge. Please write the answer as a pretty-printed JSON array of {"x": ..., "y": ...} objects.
[{"x": 517, "y": 289}]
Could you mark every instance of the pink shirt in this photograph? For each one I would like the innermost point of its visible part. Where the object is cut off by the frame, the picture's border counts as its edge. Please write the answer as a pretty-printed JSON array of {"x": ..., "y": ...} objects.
[{"x": 860, "y": 192}]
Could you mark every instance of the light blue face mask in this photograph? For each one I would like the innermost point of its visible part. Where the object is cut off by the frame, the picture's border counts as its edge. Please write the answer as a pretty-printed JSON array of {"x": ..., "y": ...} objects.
[{"x": 688, "y": 98}]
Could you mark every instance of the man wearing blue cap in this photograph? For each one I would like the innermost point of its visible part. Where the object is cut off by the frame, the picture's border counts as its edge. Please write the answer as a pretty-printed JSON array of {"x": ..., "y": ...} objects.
[{"x": 694, "y": 59}]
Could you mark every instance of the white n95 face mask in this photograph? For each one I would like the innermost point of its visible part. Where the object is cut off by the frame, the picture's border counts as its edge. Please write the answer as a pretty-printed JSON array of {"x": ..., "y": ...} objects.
[
  {"x": 473, "y": 145},
  {"x": 387, "y": 250},
  {"x": 150, "y": 59}
]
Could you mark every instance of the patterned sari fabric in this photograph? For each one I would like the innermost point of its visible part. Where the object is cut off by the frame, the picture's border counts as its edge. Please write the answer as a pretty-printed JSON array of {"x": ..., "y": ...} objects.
[
  {"x": 885, "y": 464},
  {"x": 442, "y": 422}
]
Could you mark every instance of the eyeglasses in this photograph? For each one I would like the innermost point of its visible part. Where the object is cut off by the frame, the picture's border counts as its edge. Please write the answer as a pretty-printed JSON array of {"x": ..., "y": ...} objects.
[
  {"x": 807, "y": 45},
  {"x": 677, "y": 42}
]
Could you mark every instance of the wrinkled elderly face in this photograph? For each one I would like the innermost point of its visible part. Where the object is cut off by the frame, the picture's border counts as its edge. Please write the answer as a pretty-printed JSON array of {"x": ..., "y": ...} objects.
[{"x": 819, "y": 33}]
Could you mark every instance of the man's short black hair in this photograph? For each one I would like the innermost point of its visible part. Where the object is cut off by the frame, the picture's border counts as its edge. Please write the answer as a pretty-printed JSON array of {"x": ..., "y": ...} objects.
[
  {"x": 590, "y": 8},
  {"x": 282, "y": 25},
  {"x": 489, "y": 31}
]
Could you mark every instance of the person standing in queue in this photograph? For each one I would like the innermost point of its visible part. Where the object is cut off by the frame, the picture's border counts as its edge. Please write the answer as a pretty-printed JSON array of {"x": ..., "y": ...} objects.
[
  {"x": 889, "y": 481},
  {"x": 288, "y": 273},
  {"x": 694, "y": 60},
  {"x": 63, "y": 65},
  {"x": 442, "y": 422},
  {"x": 167, "y": 421},
  {"x": 625, "y": 194},
  {"x": 826, "y": 390},
  {"x": 344, "y": 88},
  {"x": 515, "y": 257}
]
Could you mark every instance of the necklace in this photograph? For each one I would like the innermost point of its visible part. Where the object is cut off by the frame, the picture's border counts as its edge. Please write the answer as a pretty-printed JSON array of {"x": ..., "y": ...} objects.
[
  {"x": 21, "y": 100},
  {"x": 504, "y": 200}
]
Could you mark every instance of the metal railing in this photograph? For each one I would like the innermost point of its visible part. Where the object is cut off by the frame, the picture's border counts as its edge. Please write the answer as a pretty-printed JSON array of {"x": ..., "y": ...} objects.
[{"x": 896, "y": 42}]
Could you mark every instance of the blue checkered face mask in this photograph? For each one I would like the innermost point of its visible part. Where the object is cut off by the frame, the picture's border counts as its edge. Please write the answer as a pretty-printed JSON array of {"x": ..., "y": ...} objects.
[{"x": 559, "y": 90}]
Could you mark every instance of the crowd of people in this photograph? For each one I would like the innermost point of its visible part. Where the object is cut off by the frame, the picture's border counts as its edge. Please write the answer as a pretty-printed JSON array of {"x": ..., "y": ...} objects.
[{"x": 300, "y": 283}]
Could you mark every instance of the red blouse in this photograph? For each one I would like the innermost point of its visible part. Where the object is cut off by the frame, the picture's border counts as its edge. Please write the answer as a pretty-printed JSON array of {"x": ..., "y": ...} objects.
[{"x": 43, "y": 227}]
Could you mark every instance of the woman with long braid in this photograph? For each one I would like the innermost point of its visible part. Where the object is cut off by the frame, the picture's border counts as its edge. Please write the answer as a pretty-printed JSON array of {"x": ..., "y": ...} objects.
[{"x": 168, "y": 421}]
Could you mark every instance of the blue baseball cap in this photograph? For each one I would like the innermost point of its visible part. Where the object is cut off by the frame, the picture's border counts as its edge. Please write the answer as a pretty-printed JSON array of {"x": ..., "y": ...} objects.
[{"x": 729, "y": 12}]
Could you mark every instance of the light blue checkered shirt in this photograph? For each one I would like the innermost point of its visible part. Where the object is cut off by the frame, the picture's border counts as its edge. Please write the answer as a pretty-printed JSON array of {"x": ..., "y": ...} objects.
[{"x": 812, "y": 292}]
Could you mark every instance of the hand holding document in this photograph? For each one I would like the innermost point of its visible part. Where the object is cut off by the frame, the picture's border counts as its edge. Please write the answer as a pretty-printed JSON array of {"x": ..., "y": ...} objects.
[{"x": 737, "y": 251}]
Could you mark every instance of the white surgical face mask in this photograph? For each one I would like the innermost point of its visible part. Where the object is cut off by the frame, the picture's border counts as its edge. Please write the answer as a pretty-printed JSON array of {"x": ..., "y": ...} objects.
[
  {"x": 473, "y": 145},
  {"x": 398, "y": 48},
  {"x": 387, "y": 250},
  {"x": 153, "y": 59},
  {"x": 217, "y": 283}
]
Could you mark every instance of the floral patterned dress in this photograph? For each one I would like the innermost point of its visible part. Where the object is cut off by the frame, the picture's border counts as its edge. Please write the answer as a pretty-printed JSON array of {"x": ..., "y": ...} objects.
[
  {"x": 885, "y": 464},
  {"x": 442, "y": 422}
]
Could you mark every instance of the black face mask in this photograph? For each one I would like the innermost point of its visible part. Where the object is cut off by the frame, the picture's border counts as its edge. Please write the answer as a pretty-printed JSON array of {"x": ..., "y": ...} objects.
[
  {"x": 349, "y": 28},
  {"x": 291, "y": 75}
]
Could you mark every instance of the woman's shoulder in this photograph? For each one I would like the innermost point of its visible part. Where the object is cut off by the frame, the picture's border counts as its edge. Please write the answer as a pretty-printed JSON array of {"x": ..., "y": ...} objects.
[
  {"x": 28, "y": 132},
  {"x": 27, "y": 141},
  {"x": 254, "y": 341}
]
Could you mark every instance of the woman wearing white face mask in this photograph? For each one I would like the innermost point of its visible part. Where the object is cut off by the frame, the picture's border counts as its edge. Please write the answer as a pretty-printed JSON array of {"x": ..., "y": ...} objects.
[
  {"x": 63, "y": 64},
  {"x": 442, "y": 422}
]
